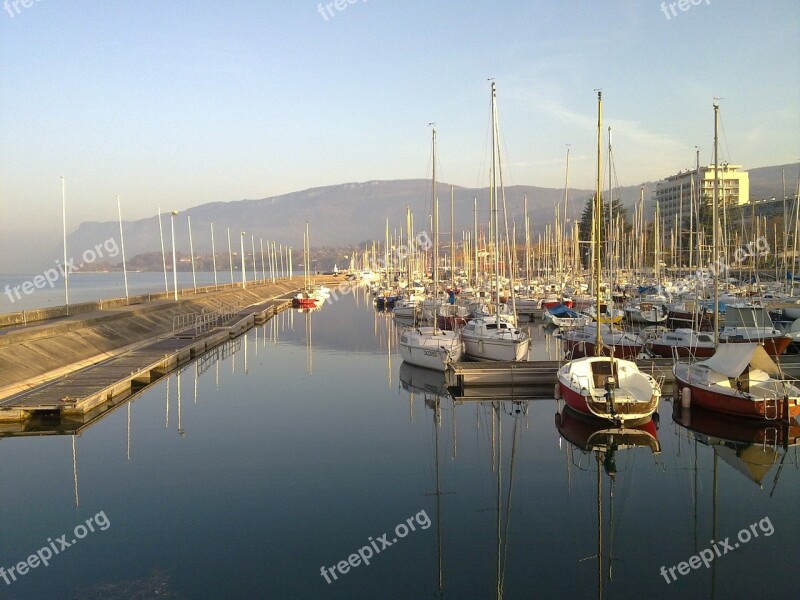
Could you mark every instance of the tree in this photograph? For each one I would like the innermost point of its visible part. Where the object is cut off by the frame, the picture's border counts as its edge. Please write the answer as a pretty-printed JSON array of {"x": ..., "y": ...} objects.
[{"x": 585, "y": 227}]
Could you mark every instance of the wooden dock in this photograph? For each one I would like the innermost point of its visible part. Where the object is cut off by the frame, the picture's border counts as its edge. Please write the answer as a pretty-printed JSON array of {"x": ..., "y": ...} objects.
[{"x": 110, "y": 382}]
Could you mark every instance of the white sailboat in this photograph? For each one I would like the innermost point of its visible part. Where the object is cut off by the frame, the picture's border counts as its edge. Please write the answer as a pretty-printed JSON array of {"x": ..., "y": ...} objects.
[
  {"x": 492, "y": 337},
  {"x": 430, "y": 347},
  {"x": 605, "y": 386}
]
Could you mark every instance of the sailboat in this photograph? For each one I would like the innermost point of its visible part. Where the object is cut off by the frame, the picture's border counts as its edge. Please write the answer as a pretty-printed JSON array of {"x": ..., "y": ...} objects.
[
  {"x": 306, "y": 298},
  {"x": 740, "y": 378},
  {"x": 431, "y": 347},
  {"x": 605, "y": 386},
  {"x": 492, "y": 337}
]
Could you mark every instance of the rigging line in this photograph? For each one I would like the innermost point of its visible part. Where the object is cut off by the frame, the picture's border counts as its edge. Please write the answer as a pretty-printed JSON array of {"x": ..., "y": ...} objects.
[{"x": 725, "y": 140}]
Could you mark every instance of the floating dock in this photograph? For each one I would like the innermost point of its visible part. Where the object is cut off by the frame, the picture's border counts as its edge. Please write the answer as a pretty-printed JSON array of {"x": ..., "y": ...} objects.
[
  {"x": 537, "y": 378},
  {"x": 90, "y": 363}
]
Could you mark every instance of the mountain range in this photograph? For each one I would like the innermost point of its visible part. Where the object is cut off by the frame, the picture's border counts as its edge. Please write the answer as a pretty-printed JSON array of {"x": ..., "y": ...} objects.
[{"x": 353, "y": 213}]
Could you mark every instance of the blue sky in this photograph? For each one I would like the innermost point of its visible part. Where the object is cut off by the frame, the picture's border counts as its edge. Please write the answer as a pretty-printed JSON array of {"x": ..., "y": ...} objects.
[{"x": 178, "y": 103}]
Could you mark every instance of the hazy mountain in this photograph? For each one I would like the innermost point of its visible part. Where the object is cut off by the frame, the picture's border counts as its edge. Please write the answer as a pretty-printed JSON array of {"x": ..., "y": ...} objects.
[{"x": 352, "y": 213}]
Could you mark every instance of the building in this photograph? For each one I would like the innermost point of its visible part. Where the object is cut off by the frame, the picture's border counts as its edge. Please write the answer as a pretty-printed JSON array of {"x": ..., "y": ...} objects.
[{"x": 673, "y": 195}]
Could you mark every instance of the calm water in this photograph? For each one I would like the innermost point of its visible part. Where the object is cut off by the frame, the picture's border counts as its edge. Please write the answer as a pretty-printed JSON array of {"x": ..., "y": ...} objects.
[
  {"x": 89, "y": 287},
  {"x": 307, "y": 441}
]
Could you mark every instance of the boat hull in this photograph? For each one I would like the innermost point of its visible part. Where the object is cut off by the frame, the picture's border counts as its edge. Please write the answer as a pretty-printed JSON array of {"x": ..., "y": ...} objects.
[
  {"x": 501, "y": 350},
  {"x": 581, "y": 395},
  {"x": 731, "y": 402}
]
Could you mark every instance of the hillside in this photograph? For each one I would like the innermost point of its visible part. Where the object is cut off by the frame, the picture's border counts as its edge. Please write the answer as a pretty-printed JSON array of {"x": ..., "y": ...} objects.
[{"x": 351, "y": 213}]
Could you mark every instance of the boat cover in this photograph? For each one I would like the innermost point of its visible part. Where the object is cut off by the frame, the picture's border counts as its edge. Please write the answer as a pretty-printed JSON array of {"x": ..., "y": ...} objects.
[
  {"x": 562, "y": 311},
  {"x": 732, "y": 360}
]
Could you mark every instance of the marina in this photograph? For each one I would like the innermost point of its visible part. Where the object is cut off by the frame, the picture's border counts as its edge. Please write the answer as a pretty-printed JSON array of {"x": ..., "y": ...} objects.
[
  {"x": 349, "y": 308},
  {"x": 510, "y": 478}
]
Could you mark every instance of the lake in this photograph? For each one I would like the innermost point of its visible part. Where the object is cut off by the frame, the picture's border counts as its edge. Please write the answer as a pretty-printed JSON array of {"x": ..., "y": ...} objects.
[{"x": 284, "y": 462}]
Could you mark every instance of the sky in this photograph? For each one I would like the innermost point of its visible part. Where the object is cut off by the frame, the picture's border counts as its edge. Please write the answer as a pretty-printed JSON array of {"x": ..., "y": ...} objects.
[{"x": 179, "y": 103}]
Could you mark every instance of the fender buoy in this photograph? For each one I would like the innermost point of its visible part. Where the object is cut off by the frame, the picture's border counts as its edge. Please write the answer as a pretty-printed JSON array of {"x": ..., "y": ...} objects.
[
  {"x": 686, "y": 397},
  {"x": 557, "y": 391}
]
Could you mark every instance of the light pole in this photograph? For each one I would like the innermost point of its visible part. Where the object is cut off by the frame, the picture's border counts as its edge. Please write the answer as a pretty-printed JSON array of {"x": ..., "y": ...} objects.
[
  {"x": 174, "y": 258},
  {"x": 64, "y": 225},
  {"x": 244, "y": 274},
  {"x": 191, "y": 252},
  {"x": 214, "y": 255},
  {"x": 122, "y": 245},
  {"x": 163, "y": 254}
]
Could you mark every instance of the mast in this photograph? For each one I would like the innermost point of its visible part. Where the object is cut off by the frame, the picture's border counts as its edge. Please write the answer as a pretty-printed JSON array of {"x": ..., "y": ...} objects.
[
  {"x": 493, "y": 195},
  {"x": 452, "y": 241},
  {"x": 715, "y": 244},
  {"x": 527, "y": 244},
  {"x": 475, "y": 233},
  {"x": 435, "y": 209},
  {"x": 598, "y": 220}
]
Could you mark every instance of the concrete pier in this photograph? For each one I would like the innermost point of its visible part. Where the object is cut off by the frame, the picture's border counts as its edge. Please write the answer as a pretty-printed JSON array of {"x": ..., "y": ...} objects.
[{"x": 72, "y": 365}]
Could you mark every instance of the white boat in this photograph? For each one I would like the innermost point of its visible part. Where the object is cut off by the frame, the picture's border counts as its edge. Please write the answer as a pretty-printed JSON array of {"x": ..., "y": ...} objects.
[
  {"x": 682, "y": 342},
  {"x": 605, "y": 386},
  {"x": 740, "y": 379},
  {"x": 751, "y": 323},
  {"x": 430, "y": 347},
  {"x": 646, "y": 313},
  {"x": 493, "y": 337},
  {"x": 490, "y": 338},
  {"x": 609, "y": 388}
]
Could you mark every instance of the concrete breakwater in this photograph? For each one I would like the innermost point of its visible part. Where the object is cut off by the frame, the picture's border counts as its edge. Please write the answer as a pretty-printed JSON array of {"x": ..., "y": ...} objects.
[{"x": 71, "y": 364}]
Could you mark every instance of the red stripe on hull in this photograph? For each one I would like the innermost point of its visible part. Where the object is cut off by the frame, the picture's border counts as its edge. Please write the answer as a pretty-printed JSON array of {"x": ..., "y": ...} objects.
[
  {"x": 575, "y": 401},
  {"x": 733, "y": 405},
  {"x": 773, "y": 346}
]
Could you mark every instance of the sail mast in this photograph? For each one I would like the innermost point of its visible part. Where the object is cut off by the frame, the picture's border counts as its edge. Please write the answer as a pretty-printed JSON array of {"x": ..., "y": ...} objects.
[
  {"x": 714, "y": 224},
  {"x": 493, "y": 194},
  {"x": 435, "y": 209},
  {"x": 598, "y": 220}
]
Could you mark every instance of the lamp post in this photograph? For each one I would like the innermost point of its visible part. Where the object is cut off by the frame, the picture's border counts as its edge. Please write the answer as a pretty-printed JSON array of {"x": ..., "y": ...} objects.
[
  {"x": 191, "y": 253},
  {"x": 174, "y": 258},
  {"x": 163, "y": 254},
  {"x": 244, "y": 274},
  {"x": 64, "y": 225},
  {"x": 122, "y": 245},
  {"x": 213, "y": 255}
]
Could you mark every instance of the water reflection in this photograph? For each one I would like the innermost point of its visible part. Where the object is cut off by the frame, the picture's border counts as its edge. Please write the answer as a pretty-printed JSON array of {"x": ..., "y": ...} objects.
[
  {"x": 592, "y": 437},
  {"x": 751, "y": 448},
  {"x": 432, "y": 388}
]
